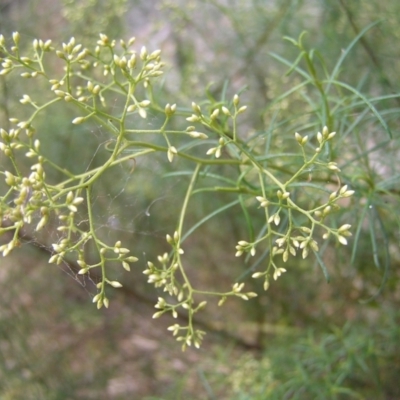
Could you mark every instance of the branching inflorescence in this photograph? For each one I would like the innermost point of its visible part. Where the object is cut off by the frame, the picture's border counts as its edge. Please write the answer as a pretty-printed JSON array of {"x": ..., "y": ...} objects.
[{"x": 88, "y": 80}]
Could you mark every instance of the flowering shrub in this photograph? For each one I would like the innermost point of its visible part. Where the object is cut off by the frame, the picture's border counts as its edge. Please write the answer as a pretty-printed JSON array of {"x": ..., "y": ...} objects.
[{"x": 210, "y": 138}]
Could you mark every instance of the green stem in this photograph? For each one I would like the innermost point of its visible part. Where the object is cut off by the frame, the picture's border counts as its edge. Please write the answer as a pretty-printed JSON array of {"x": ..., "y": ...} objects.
[
  {"x": 303, "y": 167},
  {"x": 93, "y": 235},
  {"x": 182, "y": 218},
  {"x": 320, "y": 88}
]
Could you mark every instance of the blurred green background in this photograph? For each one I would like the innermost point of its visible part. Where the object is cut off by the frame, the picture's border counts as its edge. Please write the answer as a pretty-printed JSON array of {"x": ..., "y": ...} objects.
[{"x": 303, "y": 338}]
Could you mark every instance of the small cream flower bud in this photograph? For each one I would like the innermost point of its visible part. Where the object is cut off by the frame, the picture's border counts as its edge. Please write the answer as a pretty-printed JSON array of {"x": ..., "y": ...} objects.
[
  {"x": 143, "y": 53},
  {"x": 78, "y": 120},
  {"x": 16, "y": 37},
  {"x": 214, "y": 114},
  {"x": 225, "y": 111},
  {"x": 115, "y": 284}
]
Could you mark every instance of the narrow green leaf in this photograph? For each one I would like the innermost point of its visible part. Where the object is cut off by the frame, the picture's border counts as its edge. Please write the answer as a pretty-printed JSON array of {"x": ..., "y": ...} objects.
[
  {"x": 322, "y": 265},
  {"x": 367, "y": 102},
  {"x": 346, "y": 51},
  {"x": 208, "y": 217}
]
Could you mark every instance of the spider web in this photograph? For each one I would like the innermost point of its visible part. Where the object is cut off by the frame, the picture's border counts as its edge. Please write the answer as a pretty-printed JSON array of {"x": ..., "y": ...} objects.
[
  {"x": 131, "y": 199},
  {"x": 127, "y": 201}
]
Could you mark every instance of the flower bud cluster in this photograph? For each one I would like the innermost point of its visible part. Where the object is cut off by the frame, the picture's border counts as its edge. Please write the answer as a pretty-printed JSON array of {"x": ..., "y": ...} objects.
[
  {"x": 216, "y": 151},
  {"x": 340, "y": 233},
  {"x": 331, "y": 206},
  {"x": 194, "y": 134},
  {"x": 13, "y": 58},
  {"x": 245, "y": 247},
  {"x": 237, "y": 291},
  {"x": 72, "y": 52},
  {"x": 164, "y": 276},
  {"x": 172, "y": 151},
  {"x": 298, "y": 238},
  {"x": 28, "y": 195},
  {"x": 170, "y": 110},
  {"x": 140, "y": 107},
  {"x": 66, "y": 245},
  {"x": 236, "y": 101},
  {"x": 6, "y": 249},
  {"x": 40, "y": 44},
  {"x": 187, "y": 335},
  {"x": 197, "y": 115}
]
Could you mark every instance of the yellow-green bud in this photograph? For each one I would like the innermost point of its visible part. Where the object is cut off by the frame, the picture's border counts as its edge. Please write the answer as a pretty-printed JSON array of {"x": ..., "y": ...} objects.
[{"x": 16, "y": 37}]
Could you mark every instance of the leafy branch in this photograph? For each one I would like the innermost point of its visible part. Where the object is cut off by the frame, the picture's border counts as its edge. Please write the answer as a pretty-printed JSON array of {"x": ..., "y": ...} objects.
[{"x": 89, "y": 79}]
